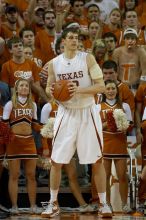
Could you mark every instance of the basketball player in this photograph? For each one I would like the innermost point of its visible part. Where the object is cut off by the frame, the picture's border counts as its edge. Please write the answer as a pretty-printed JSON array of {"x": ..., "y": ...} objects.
[
  {"x": 77, "y": 124},
  {"x": 131, "y": 60},
  {"x": 21, "y": 113},
  {"x": 50, "y": 110}
]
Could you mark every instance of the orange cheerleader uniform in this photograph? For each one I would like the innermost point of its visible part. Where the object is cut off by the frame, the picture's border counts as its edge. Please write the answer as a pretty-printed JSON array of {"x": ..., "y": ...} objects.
[
  {"x": 114, "y": 143},
  {"x": 22, "y": 146}
]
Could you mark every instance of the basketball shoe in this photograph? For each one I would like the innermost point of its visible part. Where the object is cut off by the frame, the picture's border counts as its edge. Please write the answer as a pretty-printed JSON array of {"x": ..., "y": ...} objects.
[
  {"x": 105, "y": 211},
  {"x": 51, "y": 210},
  {"x": 126, "y": 209}
]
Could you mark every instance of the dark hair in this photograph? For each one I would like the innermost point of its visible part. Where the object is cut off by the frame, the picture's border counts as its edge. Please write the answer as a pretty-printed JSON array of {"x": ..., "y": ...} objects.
[
  {"x": 124, "y": 15},
  {"x": 136, "y": 4},
  {"x": 12, "y": 41},
  {"x": 118, "y": 100},
  {"x": 21, "y": 32},
  {"x": 48, "y": 12},
  {"x": 10, "y": 8},
  {"x": 73, "y": 1},
  {"x": 57, "y": 45},
  {"x": 110, "y": 34},
  {"x": 110, "y": 64},
  {"x": 93, "y": 5},
  {"x": 68, "y": 30}
]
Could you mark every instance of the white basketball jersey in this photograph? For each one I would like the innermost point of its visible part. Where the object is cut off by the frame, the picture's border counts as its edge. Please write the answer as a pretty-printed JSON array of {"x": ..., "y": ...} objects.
[{"x": 75, "y": 70}]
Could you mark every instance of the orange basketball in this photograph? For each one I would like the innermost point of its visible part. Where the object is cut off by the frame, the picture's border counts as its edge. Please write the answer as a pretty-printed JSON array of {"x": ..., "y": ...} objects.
[{"x": 61, "y": 92}]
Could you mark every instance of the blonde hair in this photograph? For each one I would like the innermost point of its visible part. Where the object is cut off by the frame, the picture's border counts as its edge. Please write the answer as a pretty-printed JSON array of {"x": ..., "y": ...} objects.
[
  {"x": 15, "y": 94},
  {"x": 98, "y": 44}
]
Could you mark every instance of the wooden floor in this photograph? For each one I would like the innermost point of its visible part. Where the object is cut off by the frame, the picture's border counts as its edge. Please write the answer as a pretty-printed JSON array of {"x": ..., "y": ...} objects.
[{"x": 75, "y": 216}]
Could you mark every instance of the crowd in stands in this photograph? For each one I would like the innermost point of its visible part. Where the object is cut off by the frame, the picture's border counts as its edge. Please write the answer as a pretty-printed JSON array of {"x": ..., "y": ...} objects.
[{"x": 114, "y": 32}]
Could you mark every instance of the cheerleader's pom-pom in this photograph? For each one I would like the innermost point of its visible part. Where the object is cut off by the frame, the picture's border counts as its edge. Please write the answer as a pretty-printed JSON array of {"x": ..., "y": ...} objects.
[
  {"x": 48, "y": 129},
  {"x": 121, "y": 120},
  {"x": 111, "y": 124}
]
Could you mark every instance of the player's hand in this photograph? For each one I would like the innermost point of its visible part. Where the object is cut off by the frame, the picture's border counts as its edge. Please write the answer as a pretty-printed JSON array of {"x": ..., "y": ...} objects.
[{"x": 73, "y": 88}]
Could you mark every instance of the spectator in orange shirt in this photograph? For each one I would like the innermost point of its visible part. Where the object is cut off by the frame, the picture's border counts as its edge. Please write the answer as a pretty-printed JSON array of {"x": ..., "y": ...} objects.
[
  {"x": 11, "y": 27},
  {"x": 45, "y": 39},
  {"x": 24, "y": 6},
  {"x": 93, "y": 30},
  {"x": 28, "y": 38},
  {"x": 19, "y": 67},
  {"x": 35, "y": 20},
  {"x": 114, "y": 24},
  {"x": 78, "y": 14}
]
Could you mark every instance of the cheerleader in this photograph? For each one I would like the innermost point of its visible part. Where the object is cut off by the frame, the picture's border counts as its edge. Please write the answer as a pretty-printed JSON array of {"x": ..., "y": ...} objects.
[
  {"x": 21, "y": 114},
  {"x": 115, "y": 141}
]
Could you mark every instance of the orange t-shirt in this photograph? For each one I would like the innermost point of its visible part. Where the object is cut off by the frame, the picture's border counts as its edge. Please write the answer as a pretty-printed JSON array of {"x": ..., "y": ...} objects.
[
  {"x": 45, "y": 43},
  {"x": 7, "y": 33},
  {"x": 87, "y": 44},
  {"x": 22, "y": 5},
  {"x": 141, "y": 95},
  {"x": 116, "y": 32},
  {"x": 126, "y": 95},
  {"x": 12, "y": 71}
]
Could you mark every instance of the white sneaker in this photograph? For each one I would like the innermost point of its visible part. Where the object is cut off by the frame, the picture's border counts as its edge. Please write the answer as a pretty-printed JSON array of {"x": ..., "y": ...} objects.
[
  {"x": 44, "y": 205},
  {"x": 105, "y": 211},
  {"x": 51, "y": 210},
  {"x": 14, "y": 211},
  {"x": 87, "y": 208},
  {"x": 126, "y": 209}
]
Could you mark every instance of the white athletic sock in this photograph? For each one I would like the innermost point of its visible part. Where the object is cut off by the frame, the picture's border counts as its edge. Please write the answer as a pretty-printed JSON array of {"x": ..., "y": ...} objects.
[
  {"x": 102, "y": 197},
  {"x": 53, "y": 195}
]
